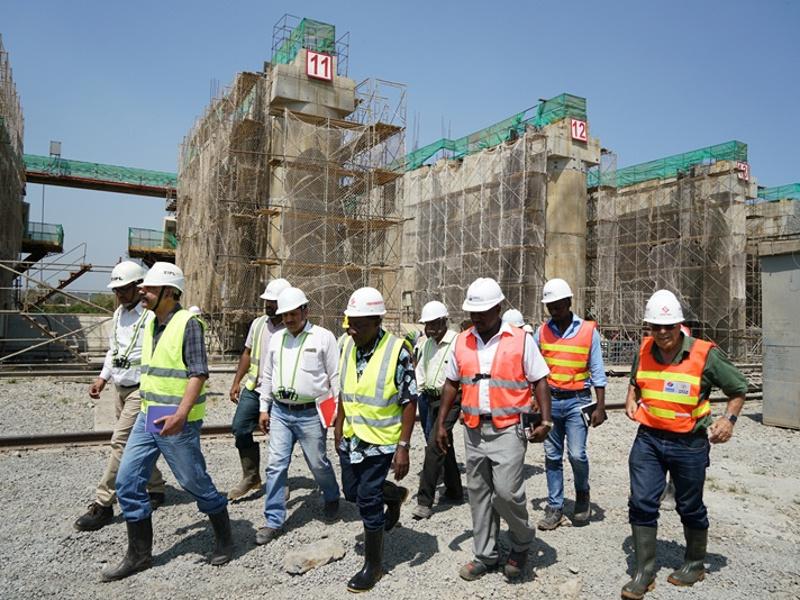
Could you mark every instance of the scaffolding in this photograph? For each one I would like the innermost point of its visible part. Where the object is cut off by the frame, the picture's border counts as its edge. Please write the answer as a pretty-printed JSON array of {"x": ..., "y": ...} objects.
[{"x": 677, "y": 223}]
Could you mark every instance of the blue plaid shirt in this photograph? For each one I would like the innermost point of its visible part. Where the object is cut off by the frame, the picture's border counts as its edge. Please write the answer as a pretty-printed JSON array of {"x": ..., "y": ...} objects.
[{"x": 194, "y": 347}]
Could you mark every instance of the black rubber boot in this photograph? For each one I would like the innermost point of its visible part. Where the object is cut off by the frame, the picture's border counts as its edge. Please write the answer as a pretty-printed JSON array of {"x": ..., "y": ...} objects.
[
  {"x": 692, "y": 570},
  {"x": 140, "y": 548},
  {"x": 583, "y": 509},
  {"x": 372, "y": 570},
  {"x": 251, "y": 473},
  {"x": 644, "y": 547},
  {"x": 223, "y": 550},
  {"x": 393, "y": 496}
]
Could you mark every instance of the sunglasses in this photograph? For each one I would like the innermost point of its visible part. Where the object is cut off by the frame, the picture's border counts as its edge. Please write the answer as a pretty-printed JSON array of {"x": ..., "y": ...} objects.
[{"x": 663, "y": 327}]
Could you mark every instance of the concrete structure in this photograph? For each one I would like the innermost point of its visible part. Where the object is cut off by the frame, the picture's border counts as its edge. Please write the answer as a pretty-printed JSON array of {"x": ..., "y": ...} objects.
[{"x": 780, "y": 285}]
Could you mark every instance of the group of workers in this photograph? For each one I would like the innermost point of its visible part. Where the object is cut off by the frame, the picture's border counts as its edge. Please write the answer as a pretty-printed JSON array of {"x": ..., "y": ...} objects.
[{"x": 508, "y": 384}]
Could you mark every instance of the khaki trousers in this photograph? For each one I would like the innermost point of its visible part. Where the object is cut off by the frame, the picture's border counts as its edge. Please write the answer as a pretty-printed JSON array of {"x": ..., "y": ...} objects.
[
  {"x": 494, "y": 461},
  {"x": 127, "y": 405}
]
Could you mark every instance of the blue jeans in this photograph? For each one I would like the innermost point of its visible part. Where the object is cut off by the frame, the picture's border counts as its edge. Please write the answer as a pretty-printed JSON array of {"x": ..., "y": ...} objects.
[
  {"x": 424, "y": 415},
  {"x": 686, "y": 457},
  {"x": 245, "y": 419},
  {"x": 363, "y": 484},
  {"x": 285, "y": 428},
  {"x": 185, "y": 459},
  {"x": 567, "y": 422}
]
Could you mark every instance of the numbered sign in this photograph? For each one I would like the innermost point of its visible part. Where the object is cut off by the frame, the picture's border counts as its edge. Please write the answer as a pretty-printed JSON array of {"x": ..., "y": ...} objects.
[
  {"x": 580, "y": 131},
  {"x": 743, "y": 171},
  {"x": 319, "y": 66}
]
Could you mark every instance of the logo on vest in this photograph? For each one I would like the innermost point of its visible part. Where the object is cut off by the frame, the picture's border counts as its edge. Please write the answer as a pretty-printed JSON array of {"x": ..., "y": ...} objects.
[{"x": 677, "y": 387}]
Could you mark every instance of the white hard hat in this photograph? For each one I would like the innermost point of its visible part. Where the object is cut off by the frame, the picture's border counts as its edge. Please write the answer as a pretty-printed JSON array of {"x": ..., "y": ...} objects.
[
  {"x": 513, "y": 317},
  {"x": 164, "y": 274},
  {"x": 433, "y": 310},
  {"x": 289, "y": 299},
  {"x": 274, "y": 289},
  {"x": 555, "y": 289},
  {"x": 663, "y": 308},
  {"x": 126, "y": 272},
  {"x": 365, "y": 302},
  {"x": 483, "y": 293},
  {"x": 195, "y": 310}
]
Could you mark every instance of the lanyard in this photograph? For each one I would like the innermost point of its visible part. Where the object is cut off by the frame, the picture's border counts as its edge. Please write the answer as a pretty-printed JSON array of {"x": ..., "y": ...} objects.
[
  {"x": 136, "y": 328},
  {"x": 432, "y": 384},
  {"x": 296, "y": 360}
]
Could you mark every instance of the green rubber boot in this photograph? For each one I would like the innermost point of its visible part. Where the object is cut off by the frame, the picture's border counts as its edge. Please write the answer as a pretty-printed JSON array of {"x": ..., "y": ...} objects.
[
  {"x": 692, "y": 570},
  {"x": 644, "y": 548}
]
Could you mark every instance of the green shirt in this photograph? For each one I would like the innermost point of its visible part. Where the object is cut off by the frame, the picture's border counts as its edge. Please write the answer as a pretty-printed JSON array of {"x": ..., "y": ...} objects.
[{"x": 719, "y": 371}]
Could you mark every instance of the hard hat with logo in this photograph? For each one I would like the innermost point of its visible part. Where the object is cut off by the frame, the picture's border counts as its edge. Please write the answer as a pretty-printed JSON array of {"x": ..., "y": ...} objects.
[
  {"x": 195, "y": 310},
  {"x": 433, "y": 310},
  {"x": 289, "y": 299},
  {"x": 513, "y": 317},
  {"x": 366, "y": 302},
  {"x": 663, "y": 308},
  {"x": 274, "y": 289},
  {"x": 125, "y": 273},
  {"x": 554, "y": 290},
  {"x": 483, "y": 293},
  {"x": 164, "y": 274}
]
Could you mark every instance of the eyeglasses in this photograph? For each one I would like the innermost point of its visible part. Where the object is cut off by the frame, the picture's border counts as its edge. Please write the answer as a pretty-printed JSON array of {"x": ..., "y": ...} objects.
[
  {"x": 125, "y": 289},
  {"x": 655, "y": 327}
]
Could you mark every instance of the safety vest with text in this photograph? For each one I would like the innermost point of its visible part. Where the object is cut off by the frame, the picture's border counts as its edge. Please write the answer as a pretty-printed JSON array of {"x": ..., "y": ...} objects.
[
  {"x": 164, "y": 374},
  {"x": 509, "y": 389},
  {"x": 372, "y": 411},
  {"x": 670, "y": 394},
  {"x": 568, "y": 359},
  {"x": 251, "y": 379}
]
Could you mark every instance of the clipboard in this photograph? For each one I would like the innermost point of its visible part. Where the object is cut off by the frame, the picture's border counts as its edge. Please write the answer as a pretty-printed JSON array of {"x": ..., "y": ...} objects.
[{"x": 154, "y": 412}]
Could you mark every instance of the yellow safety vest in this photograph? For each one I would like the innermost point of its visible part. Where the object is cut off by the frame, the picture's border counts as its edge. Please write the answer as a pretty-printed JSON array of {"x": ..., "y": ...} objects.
[
  {"x": 371, "y": 408},
  {"x": 251, "y": 379},
  {"x": 164, "y": 376}
]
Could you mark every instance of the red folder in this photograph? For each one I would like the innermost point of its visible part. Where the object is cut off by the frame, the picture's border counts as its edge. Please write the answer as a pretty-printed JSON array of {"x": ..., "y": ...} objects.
[{"x": 326, "y": 409}]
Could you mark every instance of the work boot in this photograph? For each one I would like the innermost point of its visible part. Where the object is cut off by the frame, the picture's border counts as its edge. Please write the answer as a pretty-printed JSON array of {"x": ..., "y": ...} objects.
[
  {"x": 372, "y": 570},
  {"x": 139, "y": 556},
  {"x": 692, "y": 570},
  {"x": 223, "y": 549},
  {"x": 251, "y": 475},
  {"x": 644, "y": 548},
  {"x": 394, "y": 496},
  {"x": 583, "y": 509},
  {"x": 97, "y": 517},
  {"x": 553, "y": 517},
  {"x": 422, "y": 512},
  {"x": 515, "y": 565}
]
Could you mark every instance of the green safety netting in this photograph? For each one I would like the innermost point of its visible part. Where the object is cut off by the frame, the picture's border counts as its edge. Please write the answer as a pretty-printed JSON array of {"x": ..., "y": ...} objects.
[
  {"x": 44, "y": 232},
  {"x": 99, "y": 172},
  {"x": 667, "y": 167},
  {"x": 549, "y": 111},
  {"x": 781, "y": 192},
  {"x": 309, "y": 34},
  {"x": 151, "y": 238}
]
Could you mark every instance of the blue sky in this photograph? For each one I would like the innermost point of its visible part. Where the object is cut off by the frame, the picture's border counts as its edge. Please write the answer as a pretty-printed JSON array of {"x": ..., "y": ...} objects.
[{"x": 122, "y": 83}]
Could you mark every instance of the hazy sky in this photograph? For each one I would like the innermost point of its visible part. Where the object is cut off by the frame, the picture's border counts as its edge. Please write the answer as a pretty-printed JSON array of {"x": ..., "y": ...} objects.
[{"x": 122, "y": 83}]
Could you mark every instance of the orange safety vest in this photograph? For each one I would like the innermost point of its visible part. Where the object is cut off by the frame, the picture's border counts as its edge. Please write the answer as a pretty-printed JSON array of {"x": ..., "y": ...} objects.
[
  {"x": 568, "y": 359},
  {"x": 509, "y": 390},
  {"x": 670, "y": 394}
]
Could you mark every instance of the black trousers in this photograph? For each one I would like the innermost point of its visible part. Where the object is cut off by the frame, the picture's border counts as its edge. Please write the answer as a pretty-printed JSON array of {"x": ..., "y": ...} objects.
[{"x": 435, "y": 461}]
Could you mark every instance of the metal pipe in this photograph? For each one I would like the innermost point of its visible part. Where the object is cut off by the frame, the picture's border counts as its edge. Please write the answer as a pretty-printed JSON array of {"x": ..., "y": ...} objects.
[{"x": 67, "y": 294}]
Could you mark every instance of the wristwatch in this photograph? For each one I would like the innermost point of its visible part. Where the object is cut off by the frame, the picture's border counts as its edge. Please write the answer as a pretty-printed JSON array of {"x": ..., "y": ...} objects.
[
  {"x": 732, "y": 418},
  {"x": 404, "y": 444},
  {"x": 548, "y": 424}
]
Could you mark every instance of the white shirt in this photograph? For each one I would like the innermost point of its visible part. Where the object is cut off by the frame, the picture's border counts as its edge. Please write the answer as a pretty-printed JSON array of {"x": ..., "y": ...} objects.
[
  {"x": 266, "y": 335},
  {"x": 532, "y": 363},
  {"x": 124, "y": 323},
  {"x": 433, "y": 359},
  {"x": 308, "y": 363}
]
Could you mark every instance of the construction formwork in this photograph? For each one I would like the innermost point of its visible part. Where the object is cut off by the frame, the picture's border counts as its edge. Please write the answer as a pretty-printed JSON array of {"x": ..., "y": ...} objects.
[
  {"x": 679, "y": 224},
  {"x": 12, "y": 176}
]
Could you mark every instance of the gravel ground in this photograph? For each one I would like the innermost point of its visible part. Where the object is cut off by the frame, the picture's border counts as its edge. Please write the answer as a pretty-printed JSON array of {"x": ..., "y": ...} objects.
[{"x": 753, "y": 494}]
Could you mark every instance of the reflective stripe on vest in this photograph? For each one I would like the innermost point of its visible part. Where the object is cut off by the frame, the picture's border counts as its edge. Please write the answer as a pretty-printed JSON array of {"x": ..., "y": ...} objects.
[
  {"x": 670, "y": 394},
  {"x": 164, "y": 375},
  {"x": 371, "y": 408},
  {"x": 568, "y": 359},
  {"x": 509, "y": 390},
  {"x": 251, "y": 379}
]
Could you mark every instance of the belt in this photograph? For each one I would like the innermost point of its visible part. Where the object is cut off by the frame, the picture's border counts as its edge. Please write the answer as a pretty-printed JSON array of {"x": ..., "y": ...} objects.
[
  {"x": 672, "y": 435},
  {"x": 562, "y": 394},
  {"x": 128, "y": 387},
  {"x": 302, "y": 406}
]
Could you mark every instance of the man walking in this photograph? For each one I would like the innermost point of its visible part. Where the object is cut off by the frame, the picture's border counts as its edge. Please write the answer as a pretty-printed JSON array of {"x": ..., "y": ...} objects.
[
  {"x": 174, "y": 372},
  {"x": 495, "y": 365},
  {"x": 571, "y": 349},
  {"x": 122, "y": 366},
  {"x": 246, "y": 399},
  {"x": 373, "y": 428},
  {"x": 300, "y": 368},
  {"x": 436, "y": 352}
]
